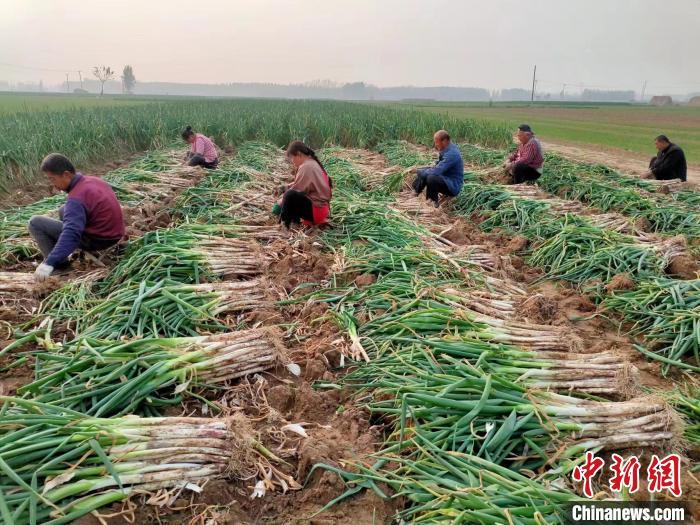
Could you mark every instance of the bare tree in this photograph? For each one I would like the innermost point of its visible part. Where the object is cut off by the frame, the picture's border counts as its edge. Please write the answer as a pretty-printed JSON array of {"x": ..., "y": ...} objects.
[
  {"x": 128, "y": 80},
  {"x": 103, "y": 74}
]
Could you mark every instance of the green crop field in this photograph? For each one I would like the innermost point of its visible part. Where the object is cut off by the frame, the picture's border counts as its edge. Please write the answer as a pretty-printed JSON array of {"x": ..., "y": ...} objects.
[
  {"x": 621, "y": 126},
  {"x": 89, "y": 134},
  {"x": 27, "y": 102}
]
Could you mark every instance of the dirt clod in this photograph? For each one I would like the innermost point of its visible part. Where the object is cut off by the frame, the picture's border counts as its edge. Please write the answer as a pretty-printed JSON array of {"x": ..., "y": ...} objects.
[
  {"x": 538, "y": 308},
  {"x": 684, "y": 267},
  {"x": 621, "y": 281},
  {"x": 516, "y": 244},
  {"x": 365, "y": 279}
]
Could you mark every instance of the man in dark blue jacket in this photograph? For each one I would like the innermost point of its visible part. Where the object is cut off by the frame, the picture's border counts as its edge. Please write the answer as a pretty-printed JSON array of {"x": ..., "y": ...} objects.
[{"x": 447, "y": 176}]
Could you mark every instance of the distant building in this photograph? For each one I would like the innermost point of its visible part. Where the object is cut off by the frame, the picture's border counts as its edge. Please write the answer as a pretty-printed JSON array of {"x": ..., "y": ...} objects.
[
  {"x": 661, "y": 100},
  {"x": 694, "y": 101}
]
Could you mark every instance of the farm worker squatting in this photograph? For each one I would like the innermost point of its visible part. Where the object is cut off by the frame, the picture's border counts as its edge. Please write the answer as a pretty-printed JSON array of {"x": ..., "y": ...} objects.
[
  {"x": 669, "y": 163},
  {"x": 308, "y": 198},
  {"x": 447, "y": 176},
  {"x": 525, "y": 164},
  {"x": 203, "y": 152},
  {"x": 91, "y": 219}
]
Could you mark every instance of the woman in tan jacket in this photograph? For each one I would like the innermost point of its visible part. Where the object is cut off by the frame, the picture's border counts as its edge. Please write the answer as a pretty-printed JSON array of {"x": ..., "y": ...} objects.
[{"x": 308, "y": 198}]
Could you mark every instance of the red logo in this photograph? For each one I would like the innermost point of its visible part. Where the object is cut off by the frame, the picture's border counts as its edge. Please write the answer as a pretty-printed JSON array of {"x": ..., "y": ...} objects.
[
  {"x": 625, "y": 474},
  {"x": 665, "y": 474},
  {"x": 587, "y": 471}
]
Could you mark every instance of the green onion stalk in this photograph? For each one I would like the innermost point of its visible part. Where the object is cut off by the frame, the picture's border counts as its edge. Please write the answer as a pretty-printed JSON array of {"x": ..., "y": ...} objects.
[
  {"x": 535, "y": 197},
  {"x": 484, "y": 157},
  {"x": 667, "y": 313},
  {"x": 169, "y": 309},
  {"x": 57, "y": 464},
  {"x": 105, "y": 378}
]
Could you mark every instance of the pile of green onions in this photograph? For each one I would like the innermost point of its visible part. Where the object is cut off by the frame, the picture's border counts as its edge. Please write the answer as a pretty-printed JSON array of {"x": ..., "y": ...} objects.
[
  {"x": 169, "y": 309},
  {"x": 57, "y": 465},
  {"x": 105, "y": 378},
  {"x": 667, "y": 313},
  {"x": 187, "y": 255}
]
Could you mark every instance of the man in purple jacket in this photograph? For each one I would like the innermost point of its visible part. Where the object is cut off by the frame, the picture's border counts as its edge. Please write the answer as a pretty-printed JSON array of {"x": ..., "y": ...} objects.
[{"x": 91, "y": 219}]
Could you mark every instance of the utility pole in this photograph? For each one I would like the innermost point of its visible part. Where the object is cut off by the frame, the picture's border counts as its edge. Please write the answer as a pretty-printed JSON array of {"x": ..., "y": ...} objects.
[
  {"x": 67, "y": 84},
  {"x": 644, "y": 88},
  {"x": 80, "y": 75},
  {"x": 534, "y": 77}
]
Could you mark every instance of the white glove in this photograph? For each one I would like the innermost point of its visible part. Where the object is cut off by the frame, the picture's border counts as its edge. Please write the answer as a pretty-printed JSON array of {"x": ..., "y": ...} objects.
[{"x": 42, "y": 272}]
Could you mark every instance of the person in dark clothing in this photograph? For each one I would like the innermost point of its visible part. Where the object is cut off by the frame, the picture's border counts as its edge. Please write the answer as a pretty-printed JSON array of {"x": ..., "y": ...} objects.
[
  {"x": 446, "y": 177},
  {"x": 91, "y": 219},
  {"x": 669, "y": 163}
]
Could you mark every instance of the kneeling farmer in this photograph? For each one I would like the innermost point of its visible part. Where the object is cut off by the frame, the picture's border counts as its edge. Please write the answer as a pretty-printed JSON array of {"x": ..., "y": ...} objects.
[
  {"x": 525, "y": 164},
  {"x": 307, "y": 200},
  {"x": 447, "y": 176},
  {"x": 91, "y": 219}
]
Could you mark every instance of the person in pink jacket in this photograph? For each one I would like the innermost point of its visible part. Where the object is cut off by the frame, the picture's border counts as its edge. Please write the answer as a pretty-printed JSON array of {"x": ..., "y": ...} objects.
[{"x": 203, "y": 152}]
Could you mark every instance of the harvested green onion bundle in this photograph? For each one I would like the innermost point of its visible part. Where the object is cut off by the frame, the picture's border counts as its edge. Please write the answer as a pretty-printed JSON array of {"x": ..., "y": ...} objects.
[
  {"x": 169, "y": 309},
  {"x": 465, "y": 442},
  {"x": 187, "y": 256},
  {"x": 104, "y": 378},
  {"x": 667, "y": 313},
  {"x": 57, "y": 464},
  {"x": 13, "y": 283},
  {"x": 579, "y": 254},
  {"x": 464, "y": 409},
  {"x": 592, "y": 373}
]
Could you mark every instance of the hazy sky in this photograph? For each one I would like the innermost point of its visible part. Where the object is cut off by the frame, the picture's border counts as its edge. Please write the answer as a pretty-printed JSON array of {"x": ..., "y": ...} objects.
[{"x": 487, "y": 43}]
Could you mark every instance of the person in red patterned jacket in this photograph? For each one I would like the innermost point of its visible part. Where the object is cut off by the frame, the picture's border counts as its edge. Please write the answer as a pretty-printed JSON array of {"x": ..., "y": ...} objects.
[
  {"x": 525, "y": 164},
  {"x": 91, "y": 219}
]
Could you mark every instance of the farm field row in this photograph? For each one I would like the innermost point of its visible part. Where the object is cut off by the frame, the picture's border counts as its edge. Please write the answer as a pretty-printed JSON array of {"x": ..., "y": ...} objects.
[
  {"x": 458, "y": 359},
  {"x": 611, "y": 127}
]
